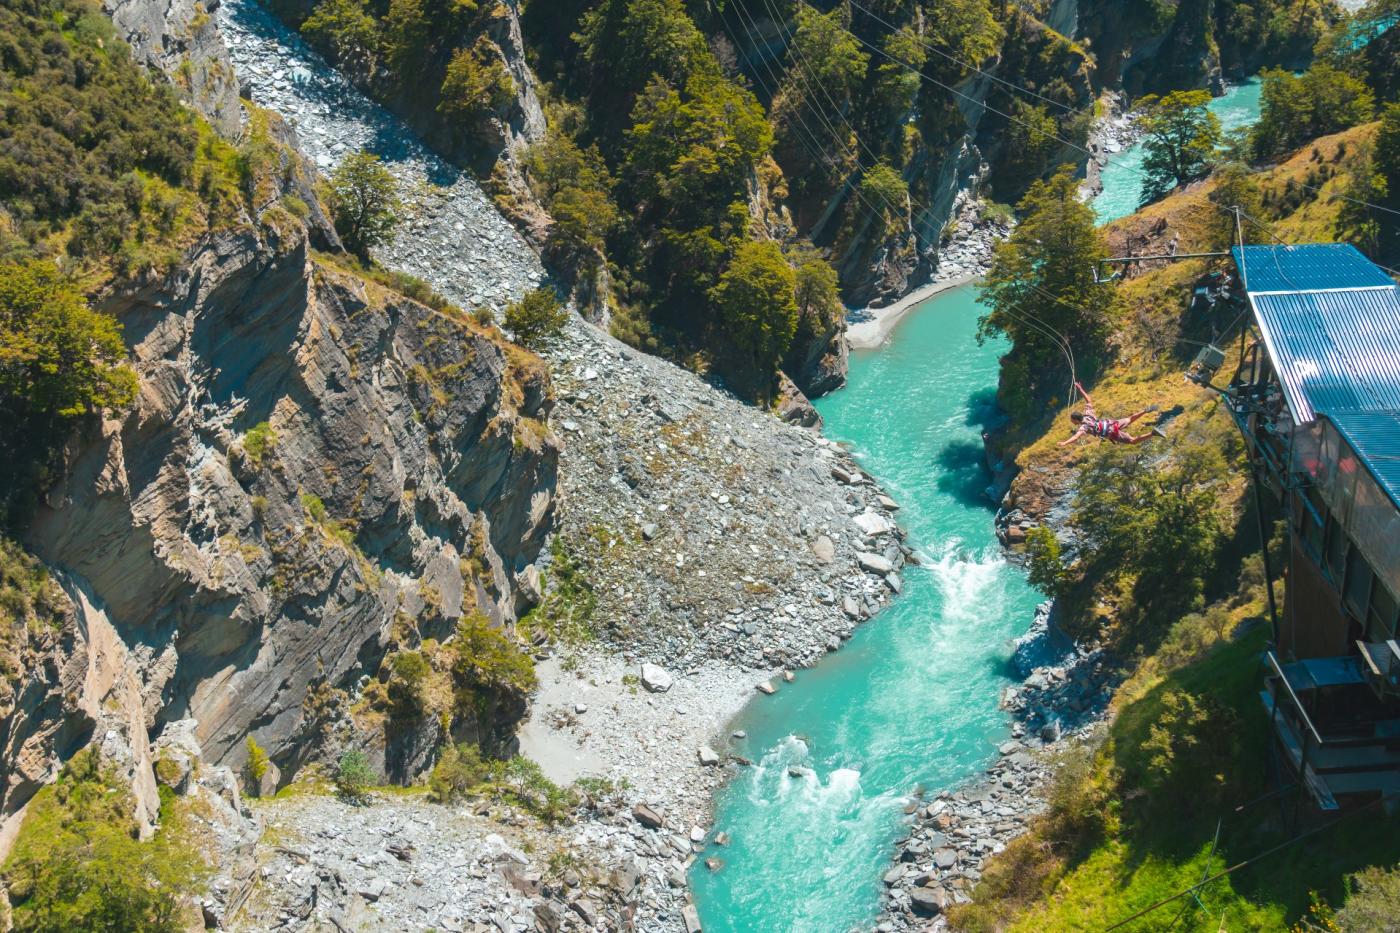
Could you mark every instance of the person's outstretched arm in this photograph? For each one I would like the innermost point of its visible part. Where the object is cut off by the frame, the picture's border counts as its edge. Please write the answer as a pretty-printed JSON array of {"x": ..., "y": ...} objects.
[
  {"x": 1072, "y": 438},
  {"x": 1088, "y": 402}
]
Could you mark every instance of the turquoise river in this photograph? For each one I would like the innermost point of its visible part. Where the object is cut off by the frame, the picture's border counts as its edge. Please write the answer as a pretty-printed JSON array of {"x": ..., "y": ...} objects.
[{"x": 912, "y": 698}]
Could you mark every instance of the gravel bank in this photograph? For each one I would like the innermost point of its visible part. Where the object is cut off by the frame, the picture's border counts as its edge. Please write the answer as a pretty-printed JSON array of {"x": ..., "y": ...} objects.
[
  {"x": 454, "y": 237},
  {"x": 873, "y": 326},
  {"x": 598, "y": 719},
  {"x": 709, "y": 529}
]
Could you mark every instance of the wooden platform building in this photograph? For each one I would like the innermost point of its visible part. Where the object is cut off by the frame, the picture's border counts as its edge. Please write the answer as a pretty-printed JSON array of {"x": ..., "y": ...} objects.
[{"x": 1317, "y": 398}]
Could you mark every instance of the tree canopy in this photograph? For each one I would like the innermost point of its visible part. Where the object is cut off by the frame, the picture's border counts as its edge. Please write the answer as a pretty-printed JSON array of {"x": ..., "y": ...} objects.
[
  {"x": 1045, "y": 273},
  {"x": 1294, "y": 109},
  {"x": 757, "y": 304},
  {"x": 58, "y": 357},
  {"x": 1180, "y": 136},
  {"x": 77, "y": 865},
  {"x": 365, "y": 202}
]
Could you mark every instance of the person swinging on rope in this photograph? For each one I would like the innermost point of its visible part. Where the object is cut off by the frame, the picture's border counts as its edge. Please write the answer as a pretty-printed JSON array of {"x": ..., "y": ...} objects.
[{"x": 1109, "y": 429}]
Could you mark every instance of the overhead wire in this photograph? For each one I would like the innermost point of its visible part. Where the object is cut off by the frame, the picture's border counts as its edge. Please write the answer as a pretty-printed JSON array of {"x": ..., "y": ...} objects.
[
  {"x": 804, "y": 71},
  {"x": 970, "y": 67},
  {"x": 1058, "y": 339},
  {"x": 809, "y": 139}
]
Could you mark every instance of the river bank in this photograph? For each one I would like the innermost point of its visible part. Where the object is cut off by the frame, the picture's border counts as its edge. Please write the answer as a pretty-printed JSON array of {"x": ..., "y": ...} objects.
[{"x": 871, "y": 327}]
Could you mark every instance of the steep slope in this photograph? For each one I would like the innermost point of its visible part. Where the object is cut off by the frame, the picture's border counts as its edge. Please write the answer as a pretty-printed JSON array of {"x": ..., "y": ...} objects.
[{"x": 315, "y": 471}]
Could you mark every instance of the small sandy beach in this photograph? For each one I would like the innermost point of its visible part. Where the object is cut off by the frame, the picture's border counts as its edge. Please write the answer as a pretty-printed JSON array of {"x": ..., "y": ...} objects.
[{"x": 876, "y": 327}]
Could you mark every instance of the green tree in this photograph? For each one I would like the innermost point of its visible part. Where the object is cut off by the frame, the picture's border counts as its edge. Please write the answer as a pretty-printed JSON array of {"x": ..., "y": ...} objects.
[
  {"x": 969, "y": 27},
  {"x": 829, "y": 63},
  {"x": 575, "y": 186},
  {"x": 1294, "y": 109},
  {"x": 817, "y": 293},
  {"x": 1234, "y": 187},
  {"x": 897, "y": 82},
  {"x": 689, "y": 150},
  {"x": 408, "y": 675},
  {"x": 1030, "y": 142},
  {"x": 537, "y": 319},
  {"x": 58, "y": 357},
  {"x": 627, "y": 43},
  {"x": 419, "y": 34},
  {"x": 1044, "y": 274},
  {"x": 756, "y": 302},
  {"x": 76, "y": 864},
  {"x": 1385, "y": 165},
  {"x": 1180, "y": 136},
  {"x": 1357, "y": 222},
  {"x": 256, "y": 766},
  {"x": 353, "y": 776},
  {"x": 1156, "y": 524},
  {"x": 885, "y": 193},
  {"x": 1045, "y": 563},
  {"x": 459, "y": 770},
  {"x": 365, "y": 202},
  {"x": 476, "y": 81},
  {"x": 344, "y": 29},
  {"x": 489, "y": 660}
]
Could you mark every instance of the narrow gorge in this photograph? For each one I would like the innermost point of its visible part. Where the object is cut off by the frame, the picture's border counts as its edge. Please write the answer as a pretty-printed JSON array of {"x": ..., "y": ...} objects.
[{"x": 596, "y": 465}]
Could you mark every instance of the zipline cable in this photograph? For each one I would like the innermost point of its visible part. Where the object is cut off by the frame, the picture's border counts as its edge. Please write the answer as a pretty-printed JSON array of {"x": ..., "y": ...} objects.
[
  {"x": 1238, "y": 865},
  {"x": 970, "y": 67}
]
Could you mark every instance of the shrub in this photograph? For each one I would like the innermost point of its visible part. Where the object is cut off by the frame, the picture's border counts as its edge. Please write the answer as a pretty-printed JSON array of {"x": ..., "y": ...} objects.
[
  {"x": 487, "y": 658},
  {"x": 537, "y": 319},
  {"x": 565, "y": 614},
  {"x": 601, "y": 793},
  {"x": 536, "y": 794},
  {"x": 353, "y": 776},
  {"x": 1374, "y": 903},
  {"x": 1076, "y": 812},
  {"x": 459, "y": 771},
  {"x": 408, "y": 672},
  {"x": 1044, "y": 564},
  {"x": 76, "y": 864},
  {"x": 887, "y": 193},
  {"x": 1189, "y": 745},
  {"x": 256, "y": 766},
  {"x": 315, "y": 508},
  {"x": 343, "y": 29},
  {"x": 476, "y": 81},
  {"x": 257, "y": 442}
]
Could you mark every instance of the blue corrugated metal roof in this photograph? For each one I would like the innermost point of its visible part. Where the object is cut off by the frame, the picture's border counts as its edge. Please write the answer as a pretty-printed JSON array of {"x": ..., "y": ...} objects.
[
  {"x": 1305, "y": 268},
  {"x": 1375, "y": 436},
  {"x": 1333, "y": 350}
]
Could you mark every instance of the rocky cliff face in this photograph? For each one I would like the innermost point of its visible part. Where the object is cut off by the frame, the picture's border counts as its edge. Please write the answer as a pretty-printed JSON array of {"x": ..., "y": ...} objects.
[
  {"x": 181, "y": 39},
  {"x": 315, "y": 469}
]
